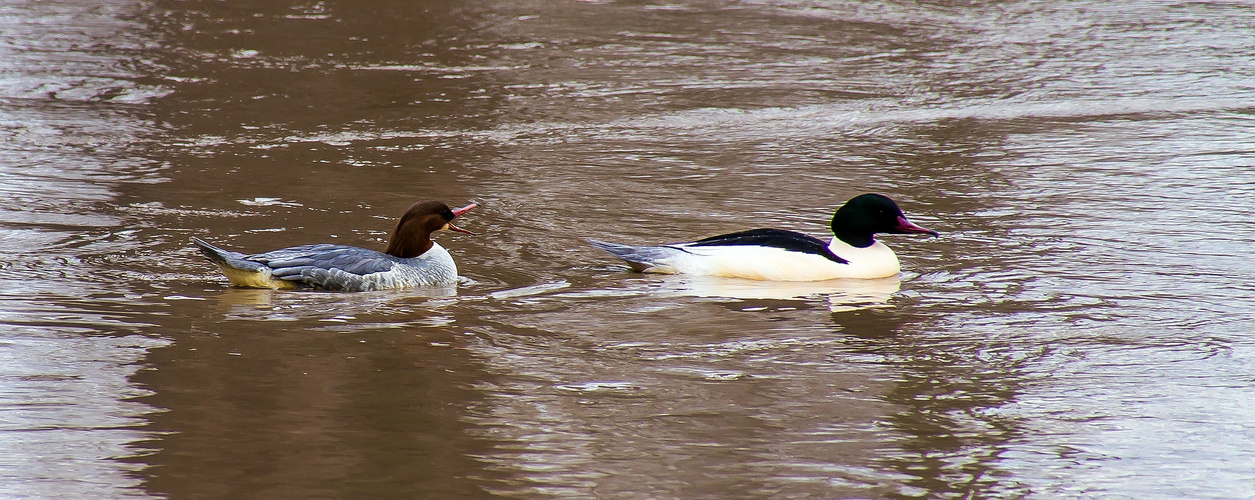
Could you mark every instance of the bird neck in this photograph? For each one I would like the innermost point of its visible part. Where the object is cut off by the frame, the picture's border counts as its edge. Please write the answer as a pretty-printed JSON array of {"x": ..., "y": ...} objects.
[
  {"x": 856, "y": 239},
  {"x": 408, "y": 244}
]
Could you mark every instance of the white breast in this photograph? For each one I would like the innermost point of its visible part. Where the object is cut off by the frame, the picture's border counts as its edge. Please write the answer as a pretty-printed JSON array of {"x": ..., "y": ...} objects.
[
  {"x": 435, "y": 267},
  {"x": 875, "y": 261}
]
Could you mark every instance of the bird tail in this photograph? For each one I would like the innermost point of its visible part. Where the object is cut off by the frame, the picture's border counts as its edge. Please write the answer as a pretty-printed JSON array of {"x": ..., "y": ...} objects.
[
  {"x": 240, "y": 271},
  {"x": 227, "y": 259},
  {"x": 651, "y": 259}
]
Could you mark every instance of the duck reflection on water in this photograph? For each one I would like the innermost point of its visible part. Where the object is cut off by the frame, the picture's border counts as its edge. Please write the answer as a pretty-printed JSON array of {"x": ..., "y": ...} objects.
[{"x": 840, "y": 294}]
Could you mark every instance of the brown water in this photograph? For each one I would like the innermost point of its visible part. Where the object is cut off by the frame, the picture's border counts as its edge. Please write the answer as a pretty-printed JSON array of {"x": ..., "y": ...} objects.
[{"x": 1081, "y": 329}]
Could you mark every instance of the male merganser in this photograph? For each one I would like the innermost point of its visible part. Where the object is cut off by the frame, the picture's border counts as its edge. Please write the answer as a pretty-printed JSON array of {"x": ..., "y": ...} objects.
[
  {"x": 779, "y": 255},
  {"x": 411, "y": 259}
]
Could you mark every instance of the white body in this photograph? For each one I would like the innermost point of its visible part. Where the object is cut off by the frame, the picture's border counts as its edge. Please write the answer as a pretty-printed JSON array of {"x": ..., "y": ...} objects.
[{"x": 776, "y": 264}]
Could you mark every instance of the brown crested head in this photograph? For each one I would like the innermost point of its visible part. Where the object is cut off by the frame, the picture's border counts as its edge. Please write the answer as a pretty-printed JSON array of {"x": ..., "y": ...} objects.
[{"x": 412, "y": 236}]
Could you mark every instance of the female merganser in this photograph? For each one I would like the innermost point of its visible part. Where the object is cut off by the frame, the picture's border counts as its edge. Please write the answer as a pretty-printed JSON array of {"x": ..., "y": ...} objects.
[
  {"x": 411, "y": 259},
  {"x": 779, "y": 255}
]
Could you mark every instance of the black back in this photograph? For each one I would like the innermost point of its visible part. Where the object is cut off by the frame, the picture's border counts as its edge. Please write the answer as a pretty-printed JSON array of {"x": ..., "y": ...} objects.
[{"x": 775, "y": 238}]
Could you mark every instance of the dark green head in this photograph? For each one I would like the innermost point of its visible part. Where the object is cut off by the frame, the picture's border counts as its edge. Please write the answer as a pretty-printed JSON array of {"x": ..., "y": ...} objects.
[{"x": 868, "y": 214}]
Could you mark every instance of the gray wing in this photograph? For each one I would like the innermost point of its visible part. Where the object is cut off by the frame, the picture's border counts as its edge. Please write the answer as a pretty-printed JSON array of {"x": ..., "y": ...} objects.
[{"x": 331, "y": 267}]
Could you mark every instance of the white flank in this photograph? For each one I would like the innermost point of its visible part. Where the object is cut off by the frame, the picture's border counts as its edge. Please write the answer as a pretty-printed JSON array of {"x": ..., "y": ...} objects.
[{"x": 775, "y": 264}]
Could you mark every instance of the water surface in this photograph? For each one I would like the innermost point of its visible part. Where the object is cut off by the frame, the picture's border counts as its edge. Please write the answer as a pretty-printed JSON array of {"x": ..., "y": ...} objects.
[{"x": 1079, "y": 330}]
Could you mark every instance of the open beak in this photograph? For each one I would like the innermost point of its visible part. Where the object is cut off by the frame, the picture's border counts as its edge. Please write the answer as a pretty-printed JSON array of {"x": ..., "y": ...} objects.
[
  {"x": 906, "y": 227},
  {"x": 459, "y": 211}
]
